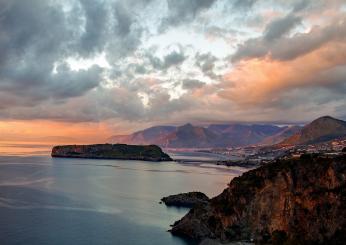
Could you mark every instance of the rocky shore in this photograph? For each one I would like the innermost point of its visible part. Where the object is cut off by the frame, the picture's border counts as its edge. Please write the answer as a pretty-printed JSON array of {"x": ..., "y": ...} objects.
[
  {"x": 291, "y": 201},
  {"x": 187, "y": 200},
  {"x": 112, "y": 151}
]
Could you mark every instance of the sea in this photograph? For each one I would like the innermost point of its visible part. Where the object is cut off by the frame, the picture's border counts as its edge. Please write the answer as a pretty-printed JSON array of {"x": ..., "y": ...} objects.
[{"x": 58, "y": 201}]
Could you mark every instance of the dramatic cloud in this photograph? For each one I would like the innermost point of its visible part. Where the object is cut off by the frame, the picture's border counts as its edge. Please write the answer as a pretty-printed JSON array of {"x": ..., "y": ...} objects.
[
  {"x": 264, "y": 81},
  {"x": 278, "y": 27},
  {"x": 181, "y": 11},
  {"x": 174, "y": 58},
  {"x": 192, "y": 84},
  {"x": 286, "y": 48},
  {"x": 244, "y": 3},
  {"x": 126, "y": 64}
]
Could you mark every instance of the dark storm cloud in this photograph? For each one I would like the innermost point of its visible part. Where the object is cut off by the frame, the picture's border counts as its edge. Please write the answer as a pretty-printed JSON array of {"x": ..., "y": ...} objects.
[
  {"x": 301, "y": 5},
  {"x": 280, "y": 27},
  {"x": 206, "y": 62},
  {"x": 333, "y": 79},
  {"x": 34, "y": 36},
  {"x": 31, "y": 28},
  {"x": 96, "y": 26},
  {"x": 189, "y": 84},
  {"x": 124, "y": 20},
  {"x": 66, "y": 83},
  {"x": 287, "y": 48},
  {"x": 182, "y": 11},
  {"x": 173, "y": 59},
  {"x": 37, "y": 36},
  {"x": 314, "y": 97},
  {"x": 244, "y": 4},
  {"x": 102, "y": 104}
]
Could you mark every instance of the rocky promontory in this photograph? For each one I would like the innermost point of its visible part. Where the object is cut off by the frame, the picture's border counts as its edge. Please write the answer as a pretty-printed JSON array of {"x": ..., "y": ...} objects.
[
  {"x": 295, "y": 201},
  {"x": 112, "y": 151},
  {"x": 187, "y": 200}
]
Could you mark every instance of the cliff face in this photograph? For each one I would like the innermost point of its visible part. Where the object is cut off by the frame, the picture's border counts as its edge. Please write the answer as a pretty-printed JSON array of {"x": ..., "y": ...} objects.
[
  {"x": 110, "y": 151},
  {"x": 300, "y": 200}
]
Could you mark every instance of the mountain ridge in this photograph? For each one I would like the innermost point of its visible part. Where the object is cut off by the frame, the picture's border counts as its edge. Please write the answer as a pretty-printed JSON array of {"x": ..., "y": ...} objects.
[
  {"x": 236, "y": 134},
  {"x": 319, "y": 130},
  {"x": 191, "y": 136}
]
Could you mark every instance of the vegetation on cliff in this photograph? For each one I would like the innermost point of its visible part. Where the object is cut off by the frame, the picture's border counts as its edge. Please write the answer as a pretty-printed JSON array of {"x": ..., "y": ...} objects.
[
  {"x": 112, "y": 151},
  {"x": 287, "y": 202}
]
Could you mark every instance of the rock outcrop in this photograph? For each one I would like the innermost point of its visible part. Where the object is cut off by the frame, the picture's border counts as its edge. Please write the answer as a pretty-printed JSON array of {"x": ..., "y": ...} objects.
[
  {"x": 187, "y": 200},
  {"x": 287, "y": 202},
  {"x": 112, "y": 151}
]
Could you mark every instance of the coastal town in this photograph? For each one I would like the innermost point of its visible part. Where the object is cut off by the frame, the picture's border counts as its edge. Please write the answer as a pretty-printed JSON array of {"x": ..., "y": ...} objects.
[{"x": 260, "y": 155}]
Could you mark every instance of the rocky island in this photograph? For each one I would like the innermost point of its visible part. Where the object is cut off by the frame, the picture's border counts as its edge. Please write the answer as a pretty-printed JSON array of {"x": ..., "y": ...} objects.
[
  {"x": 187, "y": 200},
  {"x": 112, "y": 151},
  {"x": 294, "y": 201}
]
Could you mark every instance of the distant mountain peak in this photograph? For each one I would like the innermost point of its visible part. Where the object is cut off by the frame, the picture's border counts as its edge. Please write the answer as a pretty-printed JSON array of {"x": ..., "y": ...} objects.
[
  {"x": 186, "y": 125},
  {"x": 319, "y": 130},
  {"x": 325, "y": 118}
]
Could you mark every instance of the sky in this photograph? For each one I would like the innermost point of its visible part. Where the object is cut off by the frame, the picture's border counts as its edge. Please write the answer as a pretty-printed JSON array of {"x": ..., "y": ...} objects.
[{"x": 88, "y": 69}]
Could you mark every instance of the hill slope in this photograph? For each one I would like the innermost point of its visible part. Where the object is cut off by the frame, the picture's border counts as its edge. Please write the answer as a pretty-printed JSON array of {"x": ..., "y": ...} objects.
[
  {"x": 320, "y": 130},
  {"x": 285, "y": 133},
  {"x": 189, "y": 136}
]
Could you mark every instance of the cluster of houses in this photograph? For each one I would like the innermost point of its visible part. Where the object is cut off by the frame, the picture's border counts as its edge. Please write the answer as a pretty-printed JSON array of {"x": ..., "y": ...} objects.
[{"x": 258, "y": 155}]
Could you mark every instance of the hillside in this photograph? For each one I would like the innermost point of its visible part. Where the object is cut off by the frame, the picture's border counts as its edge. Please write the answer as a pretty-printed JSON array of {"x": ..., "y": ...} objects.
[
  {"x": 189, "y": 136},
  {"x": 320, "y": 130},
  {"x": 285, "y": 133}
]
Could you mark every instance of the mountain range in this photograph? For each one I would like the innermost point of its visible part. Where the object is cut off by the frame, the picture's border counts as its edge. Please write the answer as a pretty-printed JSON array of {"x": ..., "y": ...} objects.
[
  {"x": 214, "y": 135},
  {"x": 235, "y": 134}
]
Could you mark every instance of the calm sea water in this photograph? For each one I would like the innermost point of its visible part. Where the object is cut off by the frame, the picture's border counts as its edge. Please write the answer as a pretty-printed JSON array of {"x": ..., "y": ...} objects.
[{"x": 79, "y": 201}]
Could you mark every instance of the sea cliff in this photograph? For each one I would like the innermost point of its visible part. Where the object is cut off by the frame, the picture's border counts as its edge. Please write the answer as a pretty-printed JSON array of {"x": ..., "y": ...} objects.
[
  {"x": 112, "y": 151},
  {"x": 287, "y": 202}
]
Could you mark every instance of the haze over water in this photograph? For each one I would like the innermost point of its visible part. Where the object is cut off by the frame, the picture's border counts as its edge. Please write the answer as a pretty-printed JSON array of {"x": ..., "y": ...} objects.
[{"x": 79, "y": 201}]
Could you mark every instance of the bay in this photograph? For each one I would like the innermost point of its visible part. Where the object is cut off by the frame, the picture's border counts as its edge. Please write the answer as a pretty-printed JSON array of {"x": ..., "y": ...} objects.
[{"x": 44, "y": 200}]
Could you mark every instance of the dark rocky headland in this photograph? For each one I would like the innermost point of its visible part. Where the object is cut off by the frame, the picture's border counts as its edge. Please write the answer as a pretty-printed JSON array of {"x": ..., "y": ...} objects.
[
  {"x": 112, "y": 151},
  {"x": 295, "y": 201},
  {"x": 187, "y": 200}
]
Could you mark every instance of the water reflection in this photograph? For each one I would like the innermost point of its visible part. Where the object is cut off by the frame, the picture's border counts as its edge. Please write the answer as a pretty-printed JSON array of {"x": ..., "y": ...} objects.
[{"x": 76, "y": 201}]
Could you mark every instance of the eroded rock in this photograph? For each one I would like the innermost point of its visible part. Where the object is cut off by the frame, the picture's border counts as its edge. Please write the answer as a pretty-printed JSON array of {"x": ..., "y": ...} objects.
[{"x": 302, "y": 200}]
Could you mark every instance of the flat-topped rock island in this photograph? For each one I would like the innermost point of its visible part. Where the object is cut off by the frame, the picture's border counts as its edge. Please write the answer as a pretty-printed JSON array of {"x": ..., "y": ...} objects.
[{"x": 112, "y": 151}]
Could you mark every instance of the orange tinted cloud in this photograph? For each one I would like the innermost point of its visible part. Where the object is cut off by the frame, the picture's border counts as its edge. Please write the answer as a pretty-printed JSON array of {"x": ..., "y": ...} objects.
[
  {"x": 259, "y": 80},
  {"x": 48, "y": 131}
]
